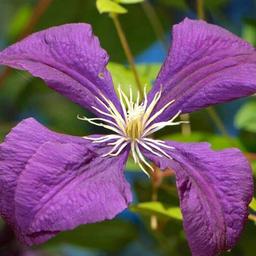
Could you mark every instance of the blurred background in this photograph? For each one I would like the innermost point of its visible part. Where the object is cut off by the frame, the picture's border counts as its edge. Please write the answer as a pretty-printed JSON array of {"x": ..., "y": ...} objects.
[{"x": 147, "y": 26}]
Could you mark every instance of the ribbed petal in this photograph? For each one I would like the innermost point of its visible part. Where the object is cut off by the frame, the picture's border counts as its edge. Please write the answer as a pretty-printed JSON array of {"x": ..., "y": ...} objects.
[
  {"x": 69, "y": 59},
  {"x": 51, "y": 182},
  {"x": 215, "y": 189},
  {"x": 206, "y": 65}
]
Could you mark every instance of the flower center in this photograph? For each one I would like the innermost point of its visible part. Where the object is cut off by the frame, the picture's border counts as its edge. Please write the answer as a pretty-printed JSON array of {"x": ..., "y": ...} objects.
[{"x": 133, "y": 126}]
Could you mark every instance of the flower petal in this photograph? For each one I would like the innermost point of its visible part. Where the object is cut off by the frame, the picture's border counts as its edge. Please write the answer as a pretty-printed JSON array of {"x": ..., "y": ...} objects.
[
  {"x": 215, "y": 189},
  {"x": 69, "y": 59},
  {"x": 206, "y": 65},
  {"x": 51, "y": 182}
]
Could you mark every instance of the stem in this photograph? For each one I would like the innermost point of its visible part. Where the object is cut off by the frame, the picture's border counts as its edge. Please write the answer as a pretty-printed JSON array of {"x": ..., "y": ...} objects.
[
  {"x": 155, "y": 22},
  {"x": 214, "y": 116},
  {"x": 127, "y": 50},
  {"x": 38, "y": 11},
  {"x": 156, "y": 180},
  {"x": 185, "y": 128},
  {"x": 200, "y": 9}
]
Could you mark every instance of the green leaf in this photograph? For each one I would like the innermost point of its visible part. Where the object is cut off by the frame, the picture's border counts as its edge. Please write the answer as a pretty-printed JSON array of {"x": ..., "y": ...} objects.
[
  {"x": 20, "y": 21},
  {"x": 130, "y": 1},
  {"x": 131, "y": 166},
  {"x": 217, "y": 141},
  {"x": 249, "y": 31},
  {"x": 246, "y": 118},
  {"x": 253, "y": 204},
  {"x": 159, "y": 209},
  {"x": 253, "y": 164},
  {"x": 109, "y": 6},
  {"x": 110, "y": 236},
  {"x": 124, "y": 77}
]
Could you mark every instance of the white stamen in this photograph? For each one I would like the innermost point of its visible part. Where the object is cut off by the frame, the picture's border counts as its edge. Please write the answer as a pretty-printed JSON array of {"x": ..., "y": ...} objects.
[
  {"x": 157, "y": 148},
  {"x": 101, "y": 124},
  {"x": 117, "y": 144},
  {"x": 133, "y": 127},
  {"x": 149, "y": 148},
  {"x": 120, "y": 149},
  {"x": 159, "y": 142}
]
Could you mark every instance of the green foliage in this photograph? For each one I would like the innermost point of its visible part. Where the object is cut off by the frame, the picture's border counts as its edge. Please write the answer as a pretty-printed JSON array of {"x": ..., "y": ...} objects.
[
  {"x": 159, "y": 209},
  {"x": 129, "y": 1},
  {"x": 217, "y": 141},
  {"x": 246, "y": 117},
  {"x": 249, "y": 31},
  {"x": 180, "y": 5},
  {"x": 253, "y": 204},
  {"x": 19, "y": 21},
  {"x": 110, "y": 236},
  {"x": 124, "y": 77},
  {"x": 109, "y": 6}
]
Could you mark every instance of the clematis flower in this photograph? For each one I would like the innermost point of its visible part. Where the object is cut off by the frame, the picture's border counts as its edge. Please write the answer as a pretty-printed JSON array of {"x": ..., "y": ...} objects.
[{"x": 51, "y": 182}]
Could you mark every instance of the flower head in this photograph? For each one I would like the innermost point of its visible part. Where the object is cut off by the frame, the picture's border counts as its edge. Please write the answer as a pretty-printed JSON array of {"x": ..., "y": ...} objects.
[
  {"x": 51, "y": 182},
  {"x": 133, "y": 126}
]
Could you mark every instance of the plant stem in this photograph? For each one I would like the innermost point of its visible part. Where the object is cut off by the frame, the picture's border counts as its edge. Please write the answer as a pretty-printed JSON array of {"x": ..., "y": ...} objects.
[
  {"x": 156, "y": 181},
  {"x": 127, "y": 50},
  {"x": 155, "y": 22},
  {"x": 217, "y": 121},
  {"x": 200, "y": 9},
  {"x": 185, "y": 127}
]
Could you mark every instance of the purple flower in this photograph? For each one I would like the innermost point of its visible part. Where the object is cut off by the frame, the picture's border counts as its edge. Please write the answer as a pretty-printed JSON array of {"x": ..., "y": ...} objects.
[{"x": 51, "y": 182}]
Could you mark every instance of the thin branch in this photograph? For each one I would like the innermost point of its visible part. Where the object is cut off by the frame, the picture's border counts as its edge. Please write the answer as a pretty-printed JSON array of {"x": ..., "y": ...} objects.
[
  {"x": 127, "y": 50},
  {"x": 155, "y": 23}
]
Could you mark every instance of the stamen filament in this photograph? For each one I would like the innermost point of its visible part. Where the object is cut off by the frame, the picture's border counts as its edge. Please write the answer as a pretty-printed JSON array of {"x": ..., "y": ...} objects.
[
  {"x": 102, "y": 125},
  {"x": 117, "y": 144},
  {"x": 143, "y": 158},
  {"x": 149, "y": 148},
  {"x": 159, "y": 142},
  {"x": 133, "y": 126},
  {"x": 158, "y": 113},
  {"x": 158, "y": 148}
]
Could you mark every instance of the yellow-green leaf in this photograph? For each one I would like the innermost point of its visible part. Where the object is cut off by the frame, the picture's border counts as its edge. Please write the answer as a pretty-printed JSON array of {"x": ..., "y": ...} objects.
[
  {"x": 124, "y": 77},
  {"x": 253, "y": 204},
  {"x": 130, "y": 1},
  {"x": 159, "y": 209},
  {"x": 109, "y": 6}
]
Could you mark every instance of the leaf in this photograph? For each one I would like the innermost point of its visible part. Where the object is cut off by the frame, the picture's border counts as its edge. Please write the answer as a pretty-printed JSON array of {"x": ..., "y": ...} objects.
[
  {"x": 130, "y": 1},
  {"x": 253, "y": 204},
  {"x": 217, "y": 141},
  {"x": 246, "y": 118},
  {"x": 249, "y": 31},
  {"x": 124, "y": 77},
  {"x": 110, "y": 236},
  {"x": 253, "y": 163},
  {"x": 109, "y": 7},
  {"x": 158, "y": 208},
  {"x": 20, "y": 21}
]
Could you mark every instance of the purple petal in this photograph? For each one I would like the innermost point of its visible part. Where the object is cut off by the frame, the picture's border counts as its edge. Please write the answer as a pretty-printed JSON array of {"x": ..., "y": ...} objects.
[
  {"x": 206, "y": 65},
  {"x": 51, "y": 182},
  {"x": 215, "y": 189},
  {"x": 69, "y": 59}
]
